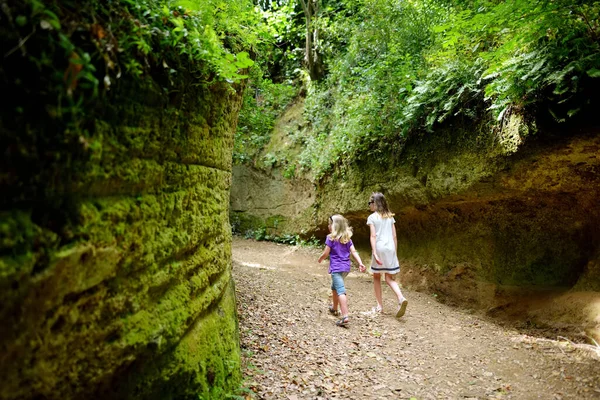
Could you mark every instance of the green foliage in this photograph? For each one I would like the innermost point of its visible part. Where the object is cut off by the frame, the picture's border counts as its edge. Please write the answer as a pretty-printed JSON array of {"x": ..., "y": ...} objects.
[
  {"x": 258, "y": 234},
  {"x": 208, "y": 33},
  {"x": 261, "y": 234},
  {"x": 63, "y": 59},
  {"x": 282, "y": 30},
  {"x": 263, "y": 102},
  {"x": 445, "y": 92},
  {"x": 256, "y": 229},
  {"x": 534, "y": 52},
  {"x": 356, "y": 113},
  {"x": 270, "y": 88},
  {"x": 404, "y": 67},
  {"x": 152, "y": 32}
]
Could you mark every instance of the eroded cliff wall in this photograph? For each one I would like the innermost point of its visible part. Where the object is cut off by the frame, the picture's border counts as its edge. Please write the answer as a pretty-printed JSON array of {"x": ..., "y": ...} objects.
[
  {"x": 528, "y": 219},
  {"x": 115, "y": 268}
]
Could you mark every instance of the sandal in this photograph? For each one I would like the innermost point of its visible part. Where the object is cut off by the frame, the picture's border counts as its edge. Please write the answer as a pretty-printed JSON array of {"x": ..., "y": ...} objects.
[
  {"x": 342, "y": 322},
  {"x": 402, "y": 308},
  {"x": 333, "y": 311}
]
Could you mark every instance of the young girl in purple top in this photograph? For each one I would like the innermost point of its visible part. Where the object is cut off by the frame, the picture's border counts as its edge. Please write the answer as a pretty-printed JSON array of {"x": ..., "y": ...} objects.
[{"x": 338, "y": 247}]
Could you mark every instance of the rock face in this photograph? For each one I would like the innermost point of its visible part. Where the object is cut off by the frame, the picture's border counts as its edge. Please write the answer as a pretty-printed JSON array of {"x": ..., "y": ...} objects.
[
  {"x": 477, "y": 224},
  {"x": 529, "y": 219},
  {"x": 129, "y": 295},
  {"x": 270, "y": 201}
]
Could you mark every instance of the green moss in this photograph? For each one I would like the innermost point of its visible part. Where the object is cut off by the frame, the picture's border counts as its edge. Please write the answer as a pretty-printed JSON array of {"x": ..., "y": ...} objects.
[
  {"x": 274, "y": 222},
  {"x": 241, "y": 222},
  {"x": 205, "y": 364},
  {"x": 138, "y": 267}
]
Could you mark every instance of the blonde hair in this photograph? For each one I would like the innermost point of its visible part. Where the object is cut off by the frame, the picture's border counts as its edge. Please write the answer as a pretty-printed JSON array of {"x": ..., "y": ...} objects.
[
  {"x": 340, "y": 230},
  {"x": 381, "y": 205}
]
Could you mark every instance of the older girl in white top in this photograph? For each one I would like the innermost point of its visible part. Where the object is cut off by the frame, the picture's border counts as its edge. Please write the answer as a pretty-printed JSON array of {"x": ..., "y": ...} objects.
[{"x": 384, "y": 245}]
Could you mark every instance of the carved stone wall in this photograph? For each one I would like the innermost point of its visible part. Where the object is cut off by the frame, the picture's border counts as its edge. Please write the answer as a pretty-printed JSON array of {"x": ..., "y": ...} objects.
[{"x": 115, "y": 269}]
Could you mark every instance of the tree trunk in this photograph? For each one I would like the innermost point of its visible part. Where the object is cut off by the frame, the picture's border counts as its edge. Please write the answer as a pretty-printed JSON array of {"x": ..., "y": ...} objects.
[{"x": 312, "y": 60}]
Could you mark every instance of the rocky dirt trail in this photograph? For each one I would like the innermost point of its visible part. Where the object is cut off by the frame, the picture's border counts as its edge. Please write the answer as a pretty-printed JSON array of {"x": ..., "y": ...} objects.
[{"x": 293, "y": 350}]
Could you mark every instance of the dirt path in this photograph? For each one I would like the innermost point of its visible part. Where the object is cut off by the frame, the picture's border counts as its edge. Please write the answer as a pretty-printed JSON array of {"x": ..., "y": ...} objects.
[{"x": 293, "y": 350}]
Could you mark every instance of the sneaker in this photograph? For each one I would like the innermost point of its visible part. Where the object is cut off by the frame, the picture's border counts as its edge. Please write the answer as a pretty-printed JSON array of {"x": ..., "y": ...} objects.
[{"x": 373, "y": 311}]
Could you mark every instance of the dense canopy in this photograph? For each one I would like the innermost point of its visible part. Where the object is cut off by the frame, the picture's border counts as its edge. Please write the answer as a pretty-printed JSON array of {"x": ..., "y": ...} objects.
[{"x": 392, "y": 69}]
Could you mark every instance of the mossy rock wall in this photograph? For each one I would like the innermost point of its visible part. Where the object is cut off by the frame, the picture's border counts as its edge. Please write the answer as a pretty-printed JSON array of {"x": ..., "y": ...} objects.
[{"x": 115, "y": 277}]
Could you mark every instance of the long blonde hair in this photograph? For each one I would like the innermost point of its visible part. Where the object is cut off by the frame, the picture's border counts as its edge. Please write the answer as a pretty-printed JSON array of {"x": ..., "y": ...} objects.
[
  {"x": 340, "y": 230},
  {"x": 381, "y": 205}
]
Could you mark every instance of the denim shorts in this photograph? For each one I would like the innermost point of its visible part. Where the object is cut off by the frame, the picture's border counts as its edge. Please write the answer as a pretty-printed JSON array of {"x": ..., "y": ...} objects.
[{"x": 337, "y": 282}]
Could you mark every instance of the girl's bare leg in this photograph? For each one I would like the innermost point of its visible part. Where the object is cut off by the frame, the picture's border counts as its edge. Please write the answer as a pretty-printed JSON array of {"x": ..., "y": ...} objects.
[
  {"x": 389, "y": 279},
  {"x": 336, "y": 299},
  {"x": 377, "y": 288},
  {"x": 343, "y": 304}
]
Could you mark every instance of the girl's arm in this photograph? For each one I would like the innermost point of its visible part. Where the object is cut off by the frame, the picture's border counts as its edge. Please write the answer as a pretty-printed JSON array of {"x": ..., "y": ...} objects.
[
  {"x": 361, "y": 266},
  {"x": 373, "y": 240},
  {"x": 325, "y": 253},
  {"x": 394, "y": 236}
]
